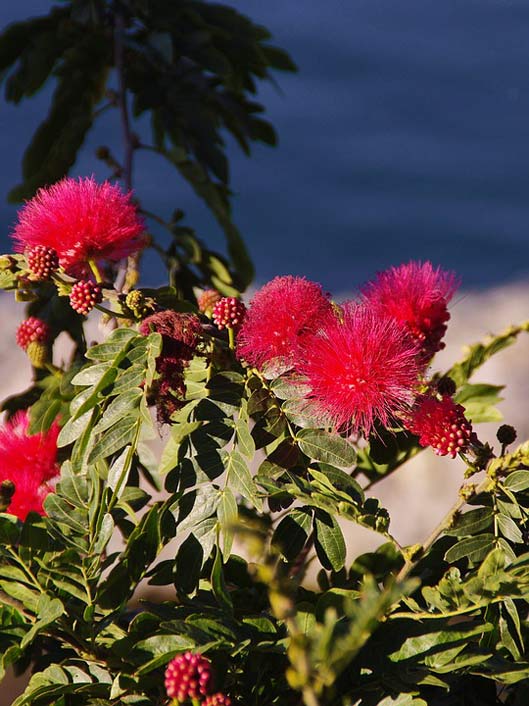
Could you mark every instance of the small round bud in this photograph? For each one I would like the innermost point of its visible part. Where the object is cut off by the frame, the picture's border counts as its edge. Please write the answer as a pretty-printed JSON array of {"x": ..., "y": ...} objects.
[
  {"x": 188, "y": 676},
  {"x": 32, "y": 330},
  {"x": 446, "y": 386},
  {"x": 42, "y": 262},
  {"x": 140, "y": 305},
  {"x": 84, "y": 296},
  {"x": 207, "y": 301},
  {"x": 229, "y": 312},
  {"x": 506, "y": 434},
  {"x": 38, "y": 354}
]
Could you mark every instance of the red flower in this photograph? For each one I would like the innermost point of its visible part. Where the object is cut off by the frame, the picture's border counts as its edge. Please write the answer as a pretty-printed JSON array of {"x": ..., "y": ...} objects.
[
  {"x": 30, "y": 462},
  {"x": 416, "y": 295},
  {"x": 188, "y": 676},
  {"x": 441, "y": 424},
  {"x": 281, "y": 313},
  {"x": 32, "y": 330},
  {"x": 81, "y": 220},
  {"x": 360, "y": 369}
]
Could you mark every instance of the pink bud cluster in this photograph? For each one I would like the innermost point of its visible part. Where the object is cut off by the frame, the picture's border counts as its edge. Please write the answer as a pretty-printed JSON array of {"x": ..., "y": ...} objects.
[
  {"x": 84, "y": 296},
  {"x": 32, "y": 330},
  {"x": 441, "y": 424},
  {"x": 42, "y": 261},
  {"x": 188, "y": 676},
  {"x": 229, "y": 312}
]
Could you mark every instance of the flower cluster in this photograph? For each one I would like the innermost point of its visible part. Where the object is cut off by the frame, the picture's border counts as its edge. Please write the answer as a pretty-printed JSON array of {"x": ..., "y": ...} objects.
[
  {"x": 29, "y": 461},
  {"x": 363, "y": 362},
  {"x": 181, "y": 334}
]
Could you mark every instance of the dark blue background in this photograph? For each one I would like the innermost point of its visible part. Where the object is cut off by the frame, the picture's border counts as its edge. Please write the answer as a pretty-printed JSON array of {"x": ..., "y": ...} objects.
[{"x": 404, "y": 135}]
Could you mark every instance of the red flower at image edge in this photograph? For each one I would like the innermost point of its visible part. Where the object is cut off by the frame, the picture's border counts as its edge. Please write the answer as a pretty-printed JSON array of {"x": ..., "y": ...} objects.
[
  {"x": 81, "y": 220},
  {"x": 361, "y": 369},
  {"x": 280, "y": 315},
  {"x": 30, "y": 462},
  {"x": 416, "y": 295}
]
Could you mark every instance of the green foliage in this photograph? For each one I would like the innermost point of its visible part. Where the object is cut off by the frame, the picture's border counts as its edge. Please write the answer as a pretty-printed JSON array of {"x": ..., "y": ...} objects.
[
  {"x": 192, "y": 67},
  {"x": 228, "y": 505}
]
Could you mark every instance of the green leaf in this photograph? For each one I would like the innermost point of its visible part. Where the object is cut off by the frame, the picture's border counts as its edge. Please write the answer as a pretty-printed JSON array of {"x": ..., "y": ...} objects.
[
  {"x": 240, "y": 480},
  {"x": 416, "y": 645},
  {"x": 517, "y": 481},
  {"x": 472, "y": 522},
  {"x": 292, "y": 532},
  {"x": 326, "y": 447},
  {"x": 329, "y": 541},
  {"x": 509, "y": 529},
  {"x": 227, "y": 513},
  {"x": 116, "y": 438},
  {"x": 218, "y": 584},
  {"x": 473, "y": 548}
]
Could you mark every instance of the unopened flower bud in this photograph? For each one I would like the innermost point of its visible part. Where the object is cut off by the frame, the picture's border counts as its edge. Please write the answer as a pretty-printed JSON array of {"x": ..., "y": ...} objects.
[
  {"x": 207, "y": 301},
  {"x": 229, "y": 312},
  {"x": 42, "y": 262},
  {"x": 84, "y": 296},
  {"x": 506, "y": 434},
  {"x": 446, "y": 386}
]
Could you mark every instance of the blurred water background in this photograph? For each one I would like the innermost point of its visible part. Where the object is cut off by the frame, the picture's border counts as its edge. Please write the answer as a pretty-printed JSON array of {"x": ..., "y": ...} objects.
[{"x": 404, "y": 135}]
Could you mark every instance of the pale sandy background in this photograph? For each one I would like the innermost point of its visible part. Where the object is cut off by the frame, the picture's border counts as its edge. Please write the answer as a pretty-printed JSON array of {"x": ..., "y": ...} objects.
[{"x": 419, "y": 494}]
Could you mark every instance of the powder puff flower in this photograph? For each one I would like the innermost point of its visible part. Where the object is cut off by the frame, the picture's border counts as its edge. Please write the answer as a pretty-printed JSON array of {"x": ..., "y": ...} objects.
[
  {"x": 416, "y": 295},
  {"x": 81, "y": 220},
  {"x": 360, "y": 369},
  {"x": 280, "y": 315},
  {"x": 30, "y": 462},
  {"x": 441, "y": 424}
]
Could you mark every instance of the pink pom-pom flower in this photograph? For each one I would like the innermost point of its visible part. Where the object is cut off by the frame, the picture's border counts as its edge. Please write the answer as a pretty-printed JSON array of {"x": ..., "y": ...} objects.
[
  {"x": 416, "y": 295},
  {"x": 441, "y": 424},
  {"x": 30, "y": 462},
  {"x": 281, "y": 314},
  {"x": 81, "y": 220},
  {"x": 361, "y": 369},
  {"x": 188, "y": 676}
]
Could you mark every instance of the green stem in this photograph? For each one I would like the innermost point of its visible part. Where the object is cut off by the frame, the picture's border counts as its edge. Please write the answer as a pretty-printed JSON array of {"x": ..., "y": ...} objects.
[
  {"x": 95, "y": 270},
  {"x": 231, "y": 338}
]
